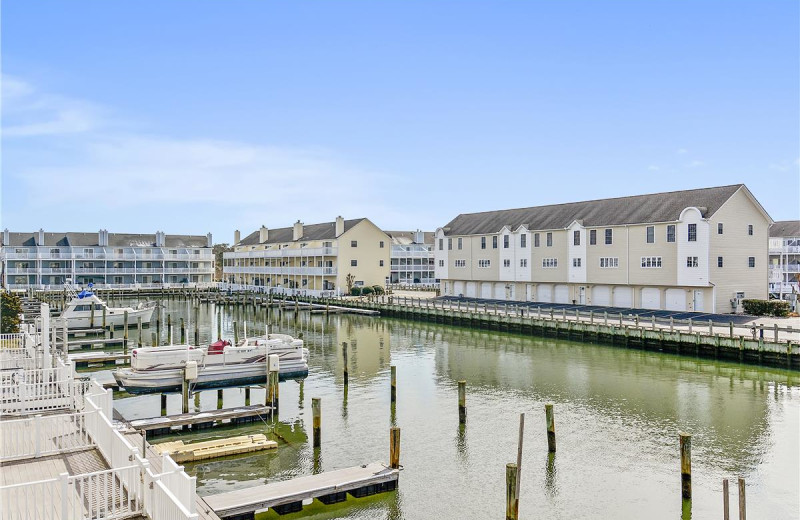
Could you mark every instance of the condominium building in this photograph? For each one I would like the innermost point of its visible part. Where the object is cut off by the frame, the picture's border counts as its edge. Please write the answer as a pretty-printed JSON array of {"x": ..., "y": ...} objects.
[
  {"x": 701, "y": 250},
  {"x": 43, "y": 259},
  {"x": 412, "y": 259},
  {"x": 784, "y": 259},
  {"x": 310, "y": 259}
]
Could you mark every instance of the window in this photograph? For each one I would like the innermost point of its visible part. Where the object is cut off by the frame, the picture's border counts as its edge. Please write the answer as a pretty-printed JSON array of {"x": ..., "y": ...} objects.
[
  {"x": 450, "y": 244},
  {"x": 494, "y": 242},
  {"x": 576, "y": 262},
  {"x": 719, "y": 230},
  {"x": 354, "y": 243},
  {"x": 719, "y": 261},
  {"x": 592, "y": 237},
  {"x": 441, "y": 263},
  {"x": 523, "y": 240},
  {"x": 483, "y": 242},
  {"x": 506, "y": 263},
  {"x": 523, "y": 262},
  {"x": 305, "y": 282},
  {"x": 549, "y": 240},
  {"x": 353, "y": 263},
  {"x": 671, "y": 233},
  {"x": 483, "y": 264},
  {"x": 651, "y": 234},
  {"x": 536, "y": 240},
  {"x": 651, "y": 262},
  {"x": 441, "y": 244},
  {"x": 460, "y": 263},
  {"x": 381, "y": 244},
  {"x": 549, "y": 263},
  {"x": 609, "y": 262},
  {"x": 751, "y": 261},
  {"x": 505, "y": 241},
  {"x": 750, "y": 229},
  {"x": 576, "y": 238},
  {"x": 460, "y": 243},
  {"x": 608, "y": 236},
  {"x": 692, "y": 232},
  {"x": 691, "y": 261},
  {"x": 380, "y": 263}
]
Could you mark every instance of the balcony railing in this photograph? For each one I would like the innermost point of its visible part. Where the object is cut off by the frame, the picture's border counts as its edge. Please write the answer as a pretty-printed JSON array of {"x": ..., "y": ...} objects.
[
  {"x": 284, "y": 253},
  {"x": 310, "y": 271}
]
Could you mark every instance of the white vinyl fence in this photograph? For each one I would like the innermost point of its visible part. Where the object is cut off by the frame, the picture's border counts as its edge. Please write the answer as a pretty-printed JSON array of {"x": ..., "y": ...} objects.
[{"x": 43, "y": 435}]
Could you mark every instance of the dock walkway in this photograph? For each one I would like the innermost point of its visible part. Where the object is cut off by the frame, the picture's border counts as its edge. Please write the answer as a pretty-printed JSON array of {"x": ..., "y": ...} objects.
[
  {"x": 285, "y": 497},
  {"x": 205, "y": 419}
]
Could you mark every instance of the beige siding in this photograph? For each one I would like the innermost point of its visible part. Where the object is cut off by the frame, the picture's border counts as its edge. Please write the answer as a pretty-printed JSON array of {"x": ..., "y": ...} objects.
[
  {"x": 638, "y": 247},
  {"x": 735, "y": 246},
  {"x": 558, "y": 251},
  {"x": 618, "y": 249},
  {"x": 367, "y": 253}
]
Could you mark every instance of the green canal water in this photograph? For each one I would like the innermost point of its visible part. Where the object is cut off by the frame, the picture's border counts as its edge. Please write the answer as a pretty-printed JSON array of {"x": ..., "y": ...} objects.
[{"x": 618, "y": 413}]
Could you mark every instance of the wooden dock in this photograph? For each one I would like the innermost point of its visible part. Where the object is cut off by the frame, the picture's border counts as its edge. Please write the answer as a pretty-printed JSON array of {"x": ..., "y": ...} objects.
[
  {"x": 287, "y": 497},
  {"x": 197, "y": 420},
  {"x": 78, "y": 344},
  {"x": 84, "y": 359}
]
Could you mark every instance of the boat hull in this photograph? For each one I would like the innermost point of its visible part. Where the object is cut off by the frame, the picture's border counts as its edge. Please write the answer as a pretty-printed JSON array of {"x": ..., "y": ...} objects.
[{"x": 113, "y": 319}]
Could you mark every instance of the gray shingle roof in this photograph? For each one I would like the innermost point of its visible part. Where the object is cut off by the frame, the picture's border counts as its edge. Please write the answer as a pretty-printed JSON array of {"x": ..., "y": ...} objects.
[
  {"x": 92, "y": 240},
  {"x": 655, "y": 207},
  {"x": 785, "y": 228},
  {"x": 323, "y": 231},
  {"x": 402, "y": 238}
]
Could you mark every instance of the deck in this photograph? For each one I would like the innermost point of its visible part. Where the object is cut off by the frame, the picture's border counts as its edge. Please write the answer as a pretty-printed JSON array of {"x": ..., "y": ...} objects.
[{"x": 197, "y": 419}]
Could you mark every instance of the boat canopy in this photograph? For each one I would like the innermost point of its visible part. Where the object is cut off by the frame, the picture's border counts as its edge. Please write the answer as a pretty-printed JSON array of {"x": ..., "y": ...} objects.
[{"x": 85, "y": 294}]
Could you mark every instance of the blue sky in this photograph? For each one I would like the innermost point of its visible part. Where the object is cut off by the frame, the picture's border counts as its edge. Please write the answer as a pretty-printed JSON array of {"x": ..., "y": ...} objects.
[{"x": 196, "y": 116}]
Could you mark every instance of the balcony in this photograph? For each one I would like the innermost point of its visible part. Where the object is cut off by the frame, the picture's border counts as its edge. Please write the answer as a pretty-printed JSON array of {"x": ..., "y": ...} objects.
[
  {"x": 285, "y": 252},
  {"x": 309, "y": 271},
  {"x": 21, "y": 270}
]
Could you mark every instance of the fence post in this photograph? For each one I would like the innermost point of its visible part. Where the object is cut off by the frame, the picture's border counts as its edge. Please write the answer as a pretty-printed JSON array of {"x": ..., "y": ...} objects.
[
  {"x": 36, "y": 431},
  {"x": 64, "y": 494}
]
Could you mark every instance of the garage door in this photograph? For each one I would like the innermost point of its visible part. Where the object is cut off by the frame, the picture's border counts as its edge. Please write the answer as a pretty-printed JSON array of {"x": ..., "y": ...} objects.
[
  {"x": 562, "y": 294},
  {"x": 472, "y": 289},
  {"x": 501, "y": 292},
  {"x": 486, "y": 290},
  {"x": 623, "y": 297},
  {"x": 651, "y": 298},
  {"x": 458, "y": 288},
  {"x": 544, "y": 293},
  {"x": 601, "y": 295},
  {"x": 676, "y": 299}
]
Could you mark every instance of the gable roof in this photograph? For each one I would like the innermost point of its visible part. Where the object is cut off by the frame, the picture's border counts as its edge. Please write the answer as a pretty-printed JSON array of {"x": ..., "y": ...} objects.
[
  {"x": 323, "y": 231},
  {"x": 70, "y": 239},
  {"x": 655, "y": 207},
  {"x": 402, "y": 238},
  {"x": 785, "y": 228}
]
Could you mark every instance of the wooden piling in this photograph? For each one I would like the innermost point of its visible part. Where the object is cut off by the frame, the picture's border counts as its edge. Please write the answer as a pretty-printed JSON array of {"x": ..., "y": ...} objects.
[
  {"x": 197, "y": 326},
  {"x": 185, "y": 393},
  {"x": 462, "y": 402},
  {"x": 125, "y": 333},
  {"x": 169, "y": 329},
  {"x": 551, "y": 428},
  {"x": 139, "y": 331},
  {"x": 91, "y": 317},
  {"x": 219, "y": 399},
  {"x": 219, "y": 324},
  {"x": 726, "y": 511},
  {"x": 511, "y": 491},
  {"x": 686, "y": 465},
  {"x": 394, "y": 448},
  {"x": 316, "y": 412},
  {"x": 235, "y": 334},
  {"x": 247, "y": 396},
  {"x": 153, "y": 339},
  {"x": 393, "y": 369},
  {"x": 158, "y": 325},
  {"x": 163, "y": 404},
  {"x": 742, "y": 502},
  {"x": 183, "y": 332},
  {"x": 346, "y": 376}
]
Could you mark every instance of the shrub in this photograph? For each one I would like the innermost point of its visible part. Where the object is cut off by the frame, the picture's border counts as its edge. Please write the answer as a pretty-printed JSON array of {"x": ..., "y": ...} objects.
[
  {"x": 367, "y": 290},
  {"x": 10, "y": 308},
  {"x": 779, "y": 308},
  {"x": 378, "y": 289},
  {"x": 355, "y": 291}
]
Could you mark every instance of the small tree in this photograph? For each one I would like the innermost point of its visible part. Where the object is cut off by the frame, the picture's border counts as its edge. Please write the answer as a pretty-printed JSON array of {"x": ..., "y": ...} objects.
[
  {"x": 349, "y": 280},
  {"x": 9, "y": 313},
  {"x": 378, "y": 289},
  {"x": 366, "y": 291}
]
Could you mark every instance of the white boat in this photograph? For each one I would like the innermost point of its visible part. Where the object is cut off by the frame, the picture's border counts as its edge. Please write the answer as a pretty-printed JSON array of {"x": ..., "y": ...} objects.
[
  {"x": 79, "y": 315},
  {"x": 160, "y": 369}
]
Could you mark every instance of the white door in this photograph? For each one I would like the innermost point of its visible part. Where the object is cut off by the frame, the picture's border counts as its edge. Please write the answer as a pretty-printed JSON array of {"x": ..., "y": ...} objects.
[
  {"x": 675, "y": 300},
  {"x": 582, "y": 295},
  {"x": 698, "y": 301},
  {"x": 528, "y": 292},
  {"x": 562, "y": 294},
  {"x": 544, "y": 293},
  {"x": 509, "y": 289},
  {"x": 486, "y": 290},
  {"x": 458, "y": 288},
  {"x": 601, "y": 295},
  {"x": 623, "y": 297},
  {"x": 651, "y": 298},
  {"x": 472, "y": 289}
]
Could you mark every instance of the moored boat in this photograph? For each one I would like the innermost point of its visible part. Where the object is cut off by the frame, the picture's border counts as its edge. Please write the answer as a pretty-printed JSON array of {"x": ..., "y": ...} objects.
[{"x": 85, "y": 310}]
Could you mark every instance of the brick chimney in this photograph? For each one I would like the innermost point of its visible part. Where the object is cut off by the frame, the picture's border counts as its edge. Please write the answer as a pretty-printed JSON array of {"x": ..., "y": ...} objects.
[
  {"x": 339, "y": 225},
  {"x": 263, "y": 234},
  {"x": 297, "y": 230}
]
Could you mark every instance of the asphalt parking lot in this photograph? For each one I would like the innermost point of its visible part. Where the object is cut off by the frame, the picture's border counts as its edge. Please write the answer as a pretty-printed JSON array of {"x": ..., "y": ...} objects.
[{"x": 724, "y": 319}]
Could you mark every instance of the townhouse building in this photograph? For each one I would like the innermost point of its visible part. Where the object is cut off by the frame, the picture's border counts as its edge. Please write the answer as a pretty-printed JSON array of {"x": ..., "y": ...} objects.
[
  {"x": 412, "y": 260},
  {"x": 310, "y": 259},
  {"x": 784, "y": 259},
  {"x": 47, "y": 259},
  {"x": 701, "y": 250}
]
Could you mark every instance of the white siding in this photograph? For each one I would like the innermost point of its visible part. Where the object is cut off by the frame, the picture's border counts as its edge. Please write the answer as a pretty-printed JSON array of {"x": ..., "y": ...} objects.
[
  {"x": 440, "y": 272},
  {"x": 576, "y": 274},
  {"x": 544, "y": 293},
  {"x": 486, "y": 290},
  {"x": 601, "y": 295},
  {"x": 697, "y": 276},
  {"x": 458, "y": 288},
  {"x": 472, "y": 289},
  {"x": 562, "y": 294},
  {"x": 651, "y": 298},
  {"x": 675, "y": 299}
]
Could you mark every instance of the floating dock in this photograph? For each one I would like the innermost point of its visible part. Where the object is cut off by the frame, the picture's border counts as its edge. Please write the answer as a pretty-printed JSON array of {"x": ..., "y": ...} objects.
[
  {"x": 198, "y": 420},
  {"x": 82, "y": 360},
  {"x": 330, "y": 487},
  {"x": 181, "y": 452}
]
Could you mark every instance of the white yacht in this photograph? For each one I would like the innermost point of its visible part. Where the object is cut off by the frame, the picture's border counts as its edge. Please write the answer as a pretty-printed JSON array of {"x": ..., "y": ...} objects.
[
  {"x": 160, "y": 369},
  {"x": 78, "y": 311}
]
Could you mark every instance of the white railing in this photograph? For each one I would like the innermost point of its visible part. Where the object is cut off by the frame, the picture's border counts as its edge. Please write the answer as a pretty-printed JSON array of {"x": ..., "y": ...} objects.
[
  {"x": 43, "y": 435},
  {"x": 38, "y": 499},
  {"x": 178, "y": 484},
  {"x": 309, "y": 271},
  {"x": 35, "y": 390},
  {"x": 283, "y": 252},
  {"x": 108, "y": 494}
]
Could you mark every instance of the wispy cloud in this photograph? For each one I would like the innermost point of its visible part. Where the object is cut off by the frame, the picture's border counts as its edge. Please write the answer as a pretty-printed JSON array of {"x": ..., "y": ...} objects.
[
  {"x": 29, "y": 112},
  {"x": 682, "y": 151},
  {"x": 653, "y": 168},
  {"x": 695, "y": 164}
]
